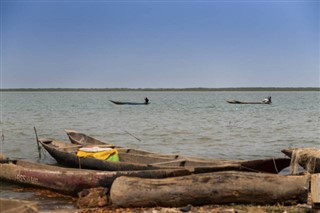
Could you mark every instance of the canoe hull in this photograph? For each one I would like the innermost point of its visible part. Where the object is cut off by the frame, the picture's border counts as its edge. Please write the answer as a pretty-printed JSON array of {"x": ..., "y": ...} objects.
[
  {"x": 70, "y": 181},
  {"x": 69, "y": 158},
  {"x": 131, "y": 159}
]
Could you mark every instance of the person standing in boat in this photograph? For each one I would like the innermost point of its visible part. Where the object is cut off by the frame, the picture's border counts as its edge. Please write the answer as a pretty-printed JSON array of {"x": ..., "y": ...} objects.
[
  {"x": 146, "y": 100},
  {"x": 267, "y": 100}
]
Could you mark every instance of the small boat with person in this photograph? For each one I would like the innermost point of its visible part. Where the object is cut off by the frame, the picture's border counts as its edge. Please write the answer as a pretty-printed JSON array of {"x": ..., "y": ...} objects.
[
  {"x": 146, "y": 102},
  {"x": 264, "y": 101}
]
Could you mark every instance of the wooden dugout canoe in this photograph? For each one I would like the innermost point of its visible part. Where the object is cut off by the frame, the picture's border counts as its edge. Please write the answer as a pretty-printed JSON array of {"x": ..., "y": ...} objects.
[
  {"x": 66, "y": 154},
  {"x": 68, "y": 180},
  {"x": 130, "y": 159}
]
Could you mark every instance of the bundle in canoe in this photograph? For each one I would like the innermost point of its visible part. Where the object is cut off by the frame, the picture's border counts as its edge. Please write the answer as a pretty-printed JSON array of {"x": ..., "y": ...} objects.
[
  {"x": 210, "y": 188},
  {"x": 70, "y": 181},
  {"x": 66, "y": 154},
  {"x": 308, "y": 158}
]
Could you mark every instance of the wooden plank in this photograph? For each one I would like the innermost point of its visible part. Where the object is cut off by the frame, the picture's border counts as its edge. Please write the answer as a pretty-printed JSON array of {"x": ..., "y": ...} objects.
[{"x": 315, "y": 191}]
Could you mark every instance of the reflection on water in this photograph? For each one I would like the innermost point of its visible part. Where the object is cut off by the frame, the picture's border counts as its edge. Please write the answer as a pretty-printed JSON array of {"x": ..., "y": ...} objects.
[{"x": 46, "y": 200}]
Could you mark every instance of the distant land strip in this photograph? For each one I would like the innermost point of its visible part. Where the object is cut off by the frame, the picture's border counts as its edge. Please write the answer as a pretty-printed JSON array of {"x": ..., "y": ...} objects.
[{"x": 161, "y": 89}]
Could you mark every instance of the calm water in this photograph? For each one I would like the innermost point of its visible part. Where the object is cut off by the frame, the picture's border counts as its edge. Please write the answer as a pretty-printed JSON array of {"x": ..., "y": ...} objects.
[{"x": 191, "y": 123}]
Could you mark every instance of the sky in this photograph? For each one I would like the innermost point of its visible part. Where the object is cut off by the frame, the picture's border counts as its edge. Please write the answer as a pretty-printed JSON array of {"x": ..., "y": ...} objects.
[{"x": 159, "y": 44}]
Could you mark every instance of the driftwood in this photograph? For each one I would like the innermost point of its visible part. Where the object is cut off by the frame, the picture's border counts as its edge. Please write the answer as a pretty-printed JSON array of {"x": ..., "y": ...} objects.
[
  {"x": 93, "y": 198},
  {"x": 308, "y": 158},
  {"x": 210, "y": 188}
]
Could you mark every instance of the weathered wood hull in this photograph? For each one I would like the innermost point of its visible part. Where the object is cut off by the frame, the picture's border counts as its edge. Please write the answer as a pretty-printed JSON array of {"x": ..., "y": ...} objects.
[
  {"x": 71, "y": 181},
  {"x": 83, "y": 139},
  {"x": 68, "y": 157},
  {"x": 66, "y": 154},
  {"x": 308, "y": 158},
  {"x": 210, "y": 188}
]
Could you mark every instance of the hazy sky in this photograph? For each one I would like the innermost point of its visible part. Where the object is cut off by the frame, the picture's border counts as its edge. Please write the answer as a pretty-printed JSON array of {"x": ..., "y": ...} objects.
[{"x": 159, "y": 44}]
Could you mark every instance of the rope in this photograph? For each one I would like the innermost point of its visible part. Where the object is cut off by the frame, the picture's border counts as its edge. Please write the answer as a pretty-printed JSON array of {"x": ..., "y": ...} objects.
[
  {"x": 275, "y": 165},
  {"x": 79, "y": 162},
  {"x": 250, "y": 169}
]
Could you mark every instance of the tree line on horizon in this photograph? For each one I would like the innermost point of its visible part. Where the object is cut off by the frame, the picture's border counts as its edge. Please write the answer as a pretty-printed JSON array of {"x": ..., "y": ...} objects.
[{"x": 167, "y": 89}]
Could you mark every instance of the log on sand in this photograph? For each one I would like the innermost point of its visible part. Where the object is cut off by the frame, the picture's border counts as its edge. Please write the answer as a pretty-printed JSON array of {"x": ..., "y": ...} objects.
[{"x": 210, "y": 188}]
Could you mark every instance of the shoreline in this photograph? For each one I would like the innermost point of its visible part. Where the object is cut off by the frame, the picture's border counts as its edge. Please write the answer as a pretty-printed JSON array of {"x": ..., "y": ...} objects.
[{"x": 44, "y": 205}]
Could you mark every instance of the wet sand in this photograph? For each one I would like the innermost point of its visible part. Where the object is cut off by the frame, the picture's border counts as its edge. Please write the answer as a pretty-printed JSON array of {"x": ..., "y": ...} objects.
[{"x": 48, "y": 201}]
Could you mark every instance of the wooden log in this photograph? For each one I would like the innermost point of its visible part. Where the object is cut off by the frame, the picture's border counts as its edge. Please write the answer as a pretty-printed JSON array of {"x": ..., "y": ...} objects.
[{"x": 210, "y": 188}]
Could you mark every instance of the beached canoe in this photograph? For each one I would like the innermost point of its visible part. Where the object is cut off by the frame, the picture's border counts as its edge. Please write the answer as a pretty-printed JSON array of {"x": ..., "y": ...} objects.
[
  {"x": 68, "y": 180},
  {"x": 308, "y": 158},
  {"x": 243, "y": 102},
  {"x": 273, "y": 165},
  {"x": 66, "y": 154},
  {"x": 128, "y": 103}
]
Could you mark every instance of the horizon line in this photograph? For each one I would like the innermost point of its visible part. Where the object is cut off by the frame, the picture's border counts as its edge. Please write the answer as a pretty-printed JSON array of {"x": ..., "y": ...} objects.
[{"x": 168, "y": 89}]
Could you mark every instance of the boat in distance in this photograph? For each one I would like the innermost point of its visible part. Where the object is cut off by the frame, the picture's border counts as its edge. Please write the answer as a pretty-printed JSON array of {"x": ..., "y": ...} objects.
[
  {"x": 68, "y": 180},
  {"x": 194, "y": 164},
  {"x": 244, "y": 102},
  {"x": 129, "y": 103},
  {"x": 266, "y": 100}
]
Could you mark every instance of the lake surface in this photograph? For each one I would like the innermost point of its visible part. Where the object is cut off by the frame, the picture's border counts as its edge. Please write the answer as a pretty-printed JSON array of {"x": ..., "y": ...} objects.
[{"x": 191, "y": 123}]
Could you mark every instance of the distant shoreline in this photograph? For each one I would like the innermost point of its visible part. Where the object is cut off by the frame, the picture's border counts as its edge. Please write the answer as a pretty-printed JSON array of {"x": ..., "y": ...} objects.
[{"x": 161, "y": 89}]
